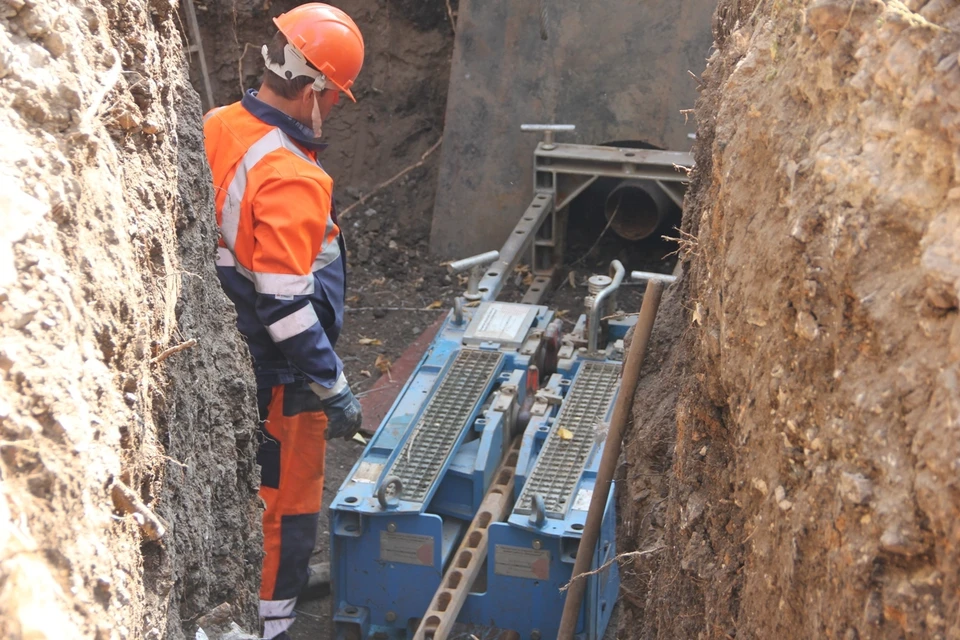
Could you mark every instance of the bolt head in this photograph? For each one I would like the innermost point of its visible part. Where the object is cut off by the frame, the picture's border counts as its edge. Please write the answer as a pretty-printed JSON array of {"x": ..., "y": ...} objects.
[
  {"x": 537, "y": 544},
  {"x": 535, "y": 634},
  {"x": 391, "y": 527},
  {"x": 391, "y": 616}
]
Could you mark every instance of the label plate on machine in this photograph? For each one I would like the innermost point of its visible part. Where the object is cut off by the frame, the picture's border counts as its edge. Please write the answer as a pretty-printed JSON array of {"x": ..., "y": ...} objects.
[
  {"x": 520, "y": 562},
  {"x": 503, "y": 323},
  {"x": 406, "y": 548}
]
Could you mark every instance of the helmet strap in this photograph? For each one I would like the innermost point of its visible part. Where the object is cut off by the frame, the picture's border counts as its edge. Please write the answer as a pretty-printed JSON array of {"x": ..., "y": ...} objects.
[{"x": 294, "y": 66}]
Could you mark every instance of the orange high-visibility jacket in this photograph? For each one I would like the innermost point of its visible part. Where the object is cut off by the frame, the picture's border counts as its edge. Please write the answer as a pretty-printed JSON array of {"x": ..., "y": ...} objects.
[{"x": 280, "y": 255}]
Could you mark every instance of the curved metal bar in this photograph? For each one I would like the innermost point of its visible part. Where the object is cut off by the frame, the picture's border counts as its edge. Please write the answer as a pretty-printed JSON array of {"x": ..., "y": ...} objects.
[{"x": 616, "y": 272}]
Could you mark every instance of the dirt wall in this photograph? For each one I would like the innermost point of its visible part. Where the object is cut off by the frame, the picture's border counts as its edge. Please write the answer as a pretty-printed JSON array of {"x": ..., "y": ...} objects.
[
  {"x": 106, "y": 261},
  {"x": 803, "y": 484}
]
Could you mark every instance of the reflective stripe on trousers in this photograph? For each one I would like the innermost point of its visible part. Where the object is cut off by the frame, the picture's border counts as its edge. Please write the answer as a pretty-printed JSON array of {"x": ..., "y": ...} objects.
[
  {"x": 277, "y": 616},
  {"x": 291, "y": 457}
]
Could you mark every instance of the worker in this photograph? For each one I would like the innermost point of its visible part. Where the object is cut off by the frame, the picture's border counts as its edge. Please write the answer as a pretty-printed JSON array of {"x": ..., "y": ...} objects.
[{"x": 281, "y": 261}]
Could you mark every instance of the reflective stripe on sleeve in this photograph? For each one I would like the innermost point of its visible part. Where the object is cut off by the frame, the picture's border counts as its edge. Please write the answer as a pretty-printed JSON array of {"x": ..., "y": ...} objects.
[
  {"x": 277, "y": 284},
  {"x": 280, "y": 284},
  {"x": 225, "y": 258},
  {"x": 230, "y": 215},
  {"x": 329, "y": 254},
  {"x": 294, "y": 324}
]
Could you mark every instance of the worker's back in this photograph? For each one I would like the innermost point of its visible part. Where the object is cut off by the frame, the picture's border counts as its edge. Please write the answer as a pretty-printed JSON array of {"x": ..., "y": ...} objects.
[{"x": 278, "y": 241}]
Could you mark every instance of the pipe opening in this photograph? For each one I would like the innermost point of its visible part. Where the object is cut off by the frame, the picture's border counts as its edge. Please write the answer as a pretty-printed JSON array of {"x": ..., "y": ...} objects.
[{"x": 635, "y": 209}]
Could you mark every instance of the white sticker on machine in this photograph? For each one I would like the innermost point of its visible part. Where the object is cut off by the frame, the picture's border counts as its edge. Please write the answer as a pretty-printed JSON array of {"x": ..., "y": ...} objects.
[
  {"x": 582, "y": 501},
  {"x": 368, "y": 472},
  {"x": 519, "y": 562},
  {"x": 406, "y": 548},
  {"x": 501, "y": 322}
]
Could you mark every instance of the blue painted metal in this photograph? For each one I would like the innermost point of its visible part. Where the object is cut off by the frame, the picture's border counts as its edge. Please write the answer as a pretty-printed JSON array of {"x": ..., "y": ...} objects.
[{"x": 387, "y": 559}]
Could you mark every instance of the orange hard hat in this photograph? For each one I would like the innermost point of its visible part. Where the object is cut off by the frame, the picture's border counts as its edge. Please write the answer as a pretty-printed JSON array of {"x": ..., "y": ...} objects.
[{"x": 328, "y": 38}]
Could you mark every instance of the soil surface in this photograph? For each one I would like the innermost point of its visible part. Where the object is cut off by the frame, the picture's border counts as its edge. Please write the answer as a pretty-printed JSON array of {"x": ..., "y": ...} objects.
[{"x": 791, "y": 469}]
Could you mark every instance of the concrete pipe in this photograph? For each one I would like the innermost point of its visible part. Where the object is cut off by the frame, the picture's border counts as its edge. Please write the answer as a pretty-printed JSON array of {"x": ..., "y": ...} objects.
[{"x": 641, "y": 207}]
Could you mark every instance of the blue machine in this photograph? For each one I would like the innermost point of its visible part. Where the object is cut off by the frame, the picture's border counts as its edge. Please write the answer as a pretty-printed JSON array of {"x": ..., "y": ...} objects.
[{"x": 494, "y": 373}]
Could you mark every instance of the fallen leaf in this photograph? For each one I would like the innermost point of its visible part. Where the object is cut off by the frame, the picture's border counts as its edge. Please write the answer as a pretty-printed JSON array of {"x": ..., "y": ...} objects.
[
  {"x": 378, "y": 281},
  {"x": 436, "y": 304},
  {"x": 372, "y": 342},
  {"x": 353, "y": 299},
  {"x": 522, "y": 268},
  {"x": 462, "y": 279},
  {"x": 528, "y": 280},
  {"x": 365, "y": 373},
  {"x": 565, "y": 434},
  {"x": 358, "y": 438},
  {"x": 383, "y": 364},
  {"x": 562, "y": 313}
]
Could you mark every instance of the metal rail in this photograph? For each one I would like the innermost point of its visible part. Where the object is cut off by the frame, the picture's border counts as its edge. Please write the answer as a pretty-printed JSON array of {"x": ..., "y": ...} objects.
[
  {"x": 614, "y": 162},
  {"x": 520, "y": 241},
  {"x": 438, "y": 429},
  {"x": 442, "y": 613},
  {"x": 560, "y": 463}
]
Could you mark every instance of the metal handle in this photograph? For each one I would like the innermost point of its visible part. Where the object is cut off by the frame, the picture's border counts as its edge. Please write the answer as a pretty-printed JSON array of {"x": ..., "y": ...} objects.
[
  {"x": 616, "y": 272},
  {"x": 388, "y": 493},
  {"x": 477, "y": 265},
  {"x": 479, "y": 260},
  {"x": 538, "y": 513},
  {"x": 650, "y": 276},
  {"x": 548, "y": 127},
  {"x": 548, "y": 131}
]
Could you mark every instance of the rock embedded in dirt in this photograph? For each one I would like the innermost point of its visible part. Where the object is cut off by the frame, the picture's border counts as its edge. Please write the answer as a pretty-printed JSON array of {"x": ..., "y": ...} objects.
[{"x": 855, "y": 488}]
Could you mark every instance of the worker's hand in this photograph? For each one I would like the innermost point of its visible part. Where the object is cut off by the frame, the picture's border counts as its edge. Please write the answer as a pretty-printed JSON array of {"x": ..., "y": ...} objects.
[{"x": 344, "y": 416}]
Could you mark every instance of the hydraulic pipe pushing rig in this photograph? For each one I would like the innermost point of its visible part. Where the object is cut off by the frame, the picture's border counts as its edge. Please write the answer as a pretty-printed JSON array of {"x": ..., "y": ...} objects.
[{"x": 468, "y": 503}]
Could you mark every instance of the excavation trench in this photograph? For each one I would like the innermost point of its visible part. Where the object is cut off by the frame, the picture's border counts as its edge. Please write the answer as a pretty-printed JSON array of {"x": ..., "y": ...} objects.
[{"x": 790, "y": 464}]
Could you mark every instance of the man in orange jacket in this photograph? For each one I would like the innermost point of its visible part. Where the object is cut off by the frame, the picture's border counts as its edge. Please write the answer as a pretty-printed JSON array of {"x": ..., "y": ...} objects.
[{"x": 281, "y": 260}]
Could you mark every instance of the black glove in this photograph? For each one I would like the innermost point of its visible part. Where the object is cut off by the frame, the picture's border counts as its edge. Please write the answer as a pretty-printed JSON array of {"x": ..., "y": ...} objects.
[{"x": 344, "y": 417}]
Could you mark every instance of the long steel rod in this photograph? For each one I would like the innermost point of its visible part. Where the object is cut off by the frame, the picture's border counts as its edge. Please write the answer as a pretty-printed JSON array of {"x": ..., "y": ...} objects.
[
  {"x": 611, "y": 453},
  {"x": 450, "y": 597}
]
